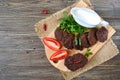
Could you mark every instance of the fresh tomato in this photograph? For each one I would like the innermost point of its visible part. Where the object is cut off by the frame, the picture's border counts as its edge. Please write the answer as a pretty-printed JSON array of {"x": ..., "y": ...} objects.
[
  {"x": 52, "y": 43},
  {"x": 60, "y": 54}
]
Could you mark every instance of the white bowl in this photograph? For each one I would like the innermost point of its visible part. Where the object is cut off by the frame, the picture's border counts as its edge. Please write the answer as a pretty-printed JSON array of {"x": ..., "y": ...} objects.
[{"x": 87, "y": 17}]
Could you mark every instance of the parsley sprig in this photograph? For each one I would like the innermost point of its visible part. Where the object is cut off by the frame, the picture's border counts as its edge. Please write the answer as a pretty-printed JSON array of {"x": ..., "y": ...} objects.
[
  {"x": 68, "y": 24},
  {"x": 88, "y": 52}
]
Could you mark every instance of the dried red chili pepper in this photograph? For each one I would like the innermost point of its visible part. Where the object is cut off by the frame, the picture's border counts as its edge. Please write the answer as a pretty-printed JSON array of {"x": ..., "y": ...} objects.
[
  {"x": 45, "y": 11},
  {"x": 44, "y": 27}
]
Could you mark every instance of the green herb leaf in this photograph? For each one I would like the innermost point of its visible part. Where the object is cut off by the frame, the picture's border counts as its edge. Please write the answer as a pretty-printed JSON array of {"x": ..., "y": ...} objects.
[
  {"x": 76, "y": 42},
  {"x": 80, "y": 42},
  {"x": 58, "y": 28},
  {"x": 68, "y": 23},
  {"x": 88, "y": 52}
]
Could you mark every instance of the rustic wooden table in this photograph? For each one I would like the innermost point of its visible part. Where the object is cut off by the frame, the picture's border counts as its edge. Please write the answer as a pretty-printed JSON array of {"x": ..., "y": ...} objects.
[{"x": 22, "y": 55}]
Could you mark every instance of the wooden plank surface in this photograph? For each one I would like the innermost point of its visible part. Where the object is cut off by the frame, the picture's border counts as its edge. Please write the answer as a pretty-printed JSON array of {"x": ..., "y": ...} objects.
[{"x": 22, "y": 55}]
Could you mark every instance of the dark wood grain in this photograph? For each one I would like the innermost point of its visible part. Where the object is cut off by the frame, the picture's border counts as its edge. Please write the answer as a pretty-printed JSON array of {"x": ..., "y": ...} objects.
[{"x": 22, "y": 55}]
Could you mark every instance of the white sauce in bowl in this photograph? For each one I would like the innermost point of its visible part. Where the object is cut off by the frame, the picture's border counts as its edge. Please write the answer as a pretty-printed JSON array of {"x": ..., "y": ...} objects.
[{"x": 87, "y": 17}]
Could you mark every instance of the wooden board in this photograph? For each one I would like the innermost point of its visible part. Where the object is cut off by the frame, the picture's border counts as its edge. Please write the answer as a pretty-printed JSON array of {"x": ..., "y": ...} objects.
[{"x": 52, "y": 23}]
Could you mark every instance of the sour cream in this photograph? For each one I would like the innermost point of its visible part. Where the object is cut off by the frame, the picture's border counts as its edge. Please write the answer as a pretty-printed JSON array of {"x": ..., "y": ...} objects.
[{"x": 87, "y": 17}]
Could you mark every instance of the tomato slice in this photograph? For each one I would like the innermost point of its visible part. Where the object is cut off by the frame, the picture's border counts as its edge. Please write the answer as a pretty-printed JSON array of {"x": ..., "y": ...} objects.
[
  {"x": 60, "y": 54},
  {"x": 52, "y": 43}
]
